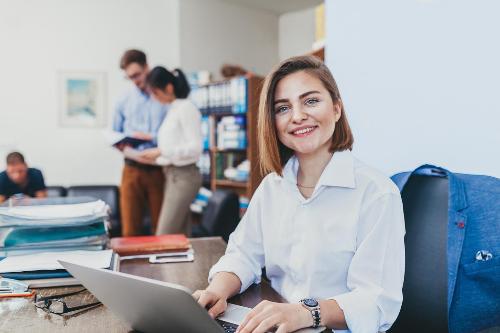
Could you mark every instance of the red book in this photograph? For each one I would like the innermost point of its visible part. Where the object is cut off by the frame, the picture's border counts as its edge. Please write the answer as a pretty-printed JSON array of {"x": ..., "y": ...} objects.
[{"x": 127, "y": 246}]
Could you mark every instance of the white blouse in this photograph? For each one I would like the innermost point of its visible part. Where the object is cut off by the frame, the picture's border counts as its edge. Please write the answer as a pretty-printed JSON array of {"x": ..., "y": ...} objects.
[
  {"x": 346, "y": 242},
  {"x": 179, "y": 136}
]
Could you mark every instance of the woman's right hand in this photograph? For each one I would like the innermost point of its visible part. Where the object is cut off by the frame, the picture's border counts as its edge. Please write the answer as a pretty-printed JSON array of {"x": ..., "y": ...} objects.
[{"x": 215, "y": 304}]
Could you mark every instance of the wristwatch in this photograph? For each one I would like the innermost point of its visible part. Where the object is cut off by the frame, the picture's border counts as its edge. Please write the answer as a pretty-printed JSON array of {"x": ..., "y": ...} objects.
[{"x": 312, "y": 305}]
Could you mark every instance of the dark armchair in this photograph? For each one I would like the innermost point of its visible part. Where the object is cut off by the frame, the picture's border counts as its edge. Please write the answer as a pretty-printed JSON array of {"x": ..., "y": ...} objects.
[
  {"x": 424, "y": 309},
  {"x": 56, "y": 191},
  {"x": 221, "y": 216}
]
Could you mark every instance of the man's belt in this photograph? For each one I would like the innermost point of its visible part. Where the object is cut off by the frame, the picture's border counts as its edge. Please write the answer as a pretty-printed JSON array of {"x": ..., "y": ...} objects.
[{"x": 136, "y": 164}]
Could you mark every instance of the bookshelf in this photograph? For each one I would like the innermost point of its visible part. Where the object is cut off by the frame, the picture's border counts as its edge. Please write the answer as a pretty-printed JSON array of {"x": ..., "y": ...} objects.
[{"x": 229, "y": 111}]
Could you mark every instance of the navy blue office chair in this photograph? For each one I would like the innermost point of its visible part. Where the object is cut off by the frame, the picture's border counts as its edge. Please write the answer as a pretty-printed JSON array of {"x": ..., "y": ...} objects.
[
  {"x": 425, "y": 204},
  {"x": 56, "y": 191},
  {"x": 220, "y": 217}
]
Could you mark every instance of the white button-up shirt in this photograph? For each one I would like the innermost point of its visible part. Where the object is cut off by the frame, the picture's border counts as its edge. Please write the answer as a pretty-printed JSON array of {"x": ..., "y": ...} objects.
[
  {"x": 179, "y": 137},
  {"x": 345, "y": 242}
]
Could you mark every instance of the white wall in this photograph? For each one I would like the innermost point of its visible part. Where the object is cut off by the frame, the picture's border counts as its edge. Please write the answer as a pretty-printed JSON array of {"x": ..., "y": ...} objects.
[
  {"x": 40, "y": 38},
  {"x": 420, "y": 81},
  {"x": 213, "y": 32},
  {"x": 296, "y": 33}
]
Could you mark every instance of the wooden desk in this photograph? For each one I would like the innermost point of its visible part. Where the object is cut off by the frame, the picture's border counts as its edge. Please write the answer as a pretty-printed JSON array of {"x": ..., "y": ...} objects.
[{"x": 20, "y": 314}]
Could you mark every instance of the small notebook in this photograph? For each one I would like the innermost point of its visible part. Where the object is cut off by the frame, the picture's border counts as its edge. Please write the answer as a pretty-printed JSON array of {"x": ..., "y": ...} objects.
[{"x": 127, "y": 246}]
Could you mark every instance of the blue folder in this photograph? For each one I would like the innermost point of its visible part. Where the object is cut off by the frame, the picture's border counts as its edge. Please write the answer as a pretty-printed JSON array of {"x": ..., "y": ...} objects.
[{"x": 60, "y": 273}]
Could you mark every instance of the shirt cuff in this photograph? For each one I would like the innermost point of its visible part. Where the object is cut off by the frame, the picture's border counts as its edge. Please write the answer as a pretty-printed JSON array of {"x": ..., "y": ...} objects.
[
  {"x": 360, "y": 311},
  {"x": 233, "y": 265},
  {"x": 161, "y": 160}
]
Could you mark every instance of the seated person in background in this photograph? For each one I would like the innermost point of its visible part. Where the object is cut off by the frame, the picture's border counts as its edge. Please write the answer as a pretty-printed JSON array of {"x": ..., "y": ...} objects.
[{"x": 19, "y": 179}]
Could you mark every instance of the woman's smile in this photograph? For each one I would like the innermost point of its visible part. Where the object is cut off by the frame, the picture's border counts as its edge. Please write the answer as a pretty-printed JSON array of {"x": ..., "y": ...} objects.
[{"x": 303, "y": 131}]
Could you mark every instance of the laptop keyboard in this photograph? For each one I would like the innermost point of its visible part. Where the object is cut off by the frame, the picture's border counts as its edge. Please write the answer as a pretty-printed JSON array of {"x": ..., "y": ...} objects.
[{"x": 228, "y": 327}]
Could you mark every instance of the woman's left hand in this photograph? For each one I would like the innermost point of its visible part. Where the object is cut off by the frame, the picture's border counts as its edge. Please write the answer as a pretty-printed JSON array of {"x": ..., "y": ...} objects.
[
  {"x": 268, "y": 315},
  {"x": 150, "y": 154}
]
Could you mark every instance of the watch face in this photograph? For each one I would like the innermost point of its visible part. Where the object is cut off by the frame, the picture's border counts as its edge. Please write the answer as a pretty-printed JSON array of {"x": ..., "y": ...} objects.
[{"x": 310, "y": 302}]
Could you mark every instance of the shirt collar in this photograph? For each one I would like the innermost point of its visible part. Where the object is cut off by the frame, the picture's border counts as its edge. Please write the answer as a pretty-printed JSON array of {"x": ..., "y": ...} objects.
[
  {"x": 176, "y": 102},
  {"x": 140, "y": 92},
  {"x": 338, "y": 172}
]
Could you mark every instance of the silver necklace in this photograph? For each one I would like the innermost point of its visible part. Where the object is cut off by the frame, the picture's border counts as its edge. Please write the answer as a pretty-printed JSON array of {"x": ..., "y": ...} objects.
[{"x": 304, "y": 186}]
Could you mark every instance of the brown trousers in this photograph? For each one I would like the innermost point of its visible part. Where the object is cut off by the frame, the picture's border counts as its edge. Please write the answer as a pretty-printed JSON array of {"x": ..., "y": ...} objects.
[{"x": 140, "y": 186}]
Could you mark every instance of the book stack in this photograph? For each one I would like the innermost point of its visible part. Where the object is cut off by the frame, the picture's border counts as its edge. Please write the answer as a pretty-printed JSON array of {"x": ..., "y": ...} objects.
[
  {"x": 201, "y": 200},
  {"x": 229, "y": 160},
  {"x": 231, "y": 133},
  {"x": 205, "y": 131},
  {"x": 137, "y": 245},
  {"x": 239, "y": 94},
  {"x": 204, "y": 165},
  {"x": 159, "y": 249},
  {"x": 238, "y": 174},
  {"x": 65, "y": 226},
  {"x": 222, "y": 97},
  {"x": 244, "y": 201}
]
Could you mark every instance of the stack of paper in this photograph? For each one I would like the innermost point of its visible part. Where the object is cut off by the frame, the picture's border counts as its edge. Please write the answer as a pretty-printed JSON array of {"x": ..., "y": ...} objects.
[
  {"x": 59, "y": 227},
  {"x": 49, "y": 261},
  {"x": 43, "y": 269}
]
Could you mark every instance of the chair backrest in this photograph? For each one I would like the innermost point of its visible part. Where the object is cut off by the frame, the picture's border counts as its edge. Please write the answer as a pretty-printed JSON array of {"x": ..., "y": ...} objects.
[
  {"x": 222, "y": 214},
  {"x": 107, "y": 193},
  {"x": 56, "y": 191},
  {"x": 424, "y": 309}
]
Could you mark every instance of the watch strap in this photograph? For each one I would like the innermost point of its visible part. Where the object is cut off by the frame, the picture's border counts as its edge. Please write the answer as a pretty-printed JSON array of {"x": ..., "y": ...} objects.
[{"x": 315, "y": 313}]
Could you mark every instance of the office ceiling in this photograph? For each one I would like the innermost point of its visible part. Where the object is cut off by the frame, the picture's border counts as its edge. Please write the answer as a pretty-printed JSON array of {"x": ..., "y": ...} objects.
[{"x": 278, "y": 6}]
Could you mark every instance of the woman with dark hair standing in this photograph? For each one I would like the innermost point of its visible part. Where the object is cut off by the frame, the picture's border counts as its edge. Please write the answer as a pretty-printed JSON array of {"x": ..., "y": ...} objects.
[
  {"x": 328, "y": 229},
  {"x": 179, "y": 148}
]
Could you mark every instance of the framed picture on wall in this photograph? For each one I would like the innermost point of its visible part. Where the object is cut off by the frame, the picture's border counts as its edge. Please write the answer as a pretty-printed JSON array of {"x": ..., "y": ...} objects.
[{"x": 82, "y": 99}]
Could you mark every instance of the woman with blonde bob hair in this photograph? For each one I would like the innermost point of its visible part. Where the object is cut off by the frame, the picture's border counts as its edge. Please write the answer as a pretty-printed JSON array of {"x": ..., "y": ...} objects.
[{"x": 328, "y": 229}]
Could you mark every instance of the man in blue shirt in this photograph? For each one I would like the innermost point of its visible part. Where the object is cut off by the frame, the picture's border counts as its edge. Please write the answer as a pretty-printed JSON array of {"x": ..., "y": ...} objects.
[
  {"x": 19, "y": 179},
  {"x": 138, "y": 115}
]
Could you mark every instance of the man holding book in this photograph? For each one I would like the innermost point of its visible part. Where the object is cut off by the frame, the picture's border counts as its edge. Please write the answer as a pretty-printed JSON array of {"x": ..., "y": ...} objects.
[{"x": 138, "y": 115}]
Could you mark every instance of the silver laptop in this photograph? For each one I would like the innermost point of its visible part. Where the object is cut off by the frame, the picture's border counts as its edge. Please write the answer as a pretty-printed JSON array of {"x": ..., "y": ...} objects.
[{"x": 153, "y": 306}]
